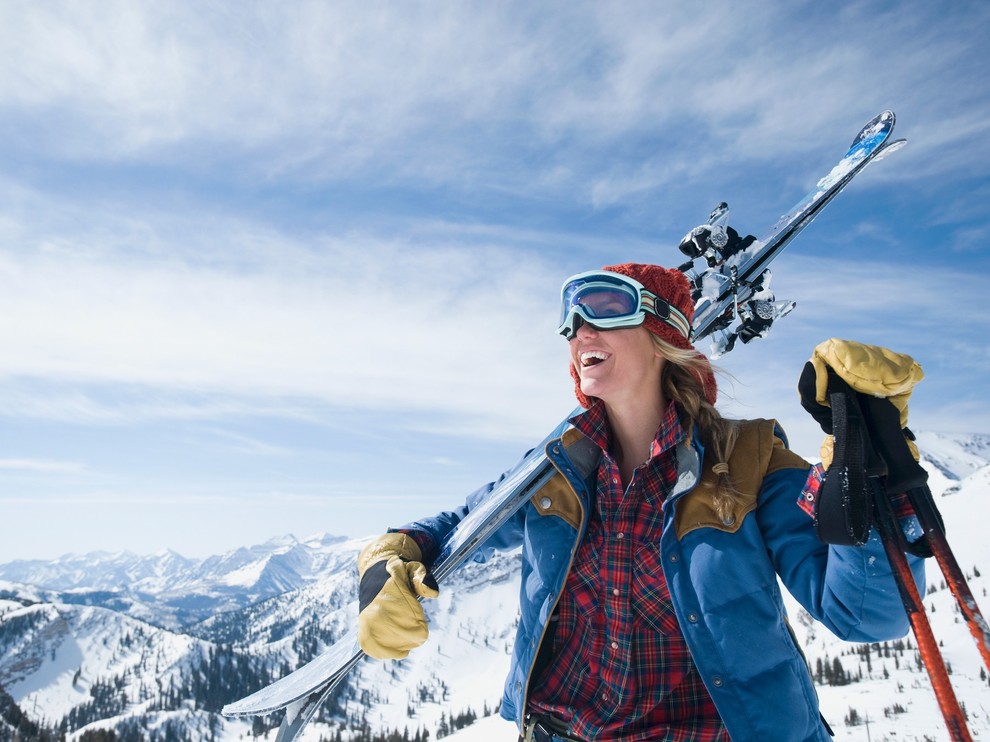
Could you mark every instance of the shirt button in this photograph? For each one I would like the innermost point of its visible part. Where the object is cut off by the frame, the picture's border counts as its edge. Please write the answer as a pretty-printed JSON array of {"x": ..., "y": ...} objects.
[
  {"x": 615, "y": 645},
  {"x": 615, "y": 591},
  {"x": 620, "y": 535}
]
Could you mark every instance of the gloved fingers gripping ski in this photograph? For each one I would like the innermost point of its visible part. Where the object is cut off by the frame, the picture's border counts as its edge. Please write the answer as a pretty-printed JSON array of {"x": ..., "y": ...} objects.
[
  {"x": 423, "y": 581},
  {"x": 391, "y": 621},
  {"x": 419, "y": 579}
]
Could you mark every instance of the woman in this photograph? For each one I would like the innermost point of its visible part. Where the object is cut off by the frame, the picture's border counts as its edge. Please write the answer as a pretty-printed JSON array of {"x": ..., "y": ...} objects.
[{"x": 650, "y": 607}]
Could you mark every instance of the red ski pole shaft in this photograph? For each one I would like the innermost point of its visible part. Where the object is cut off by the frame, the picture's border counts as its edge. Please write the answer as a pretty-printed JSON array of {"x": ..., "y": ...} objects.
[
  {"x": 892, "y": 539},
  {"x": 921, "y": 500}
]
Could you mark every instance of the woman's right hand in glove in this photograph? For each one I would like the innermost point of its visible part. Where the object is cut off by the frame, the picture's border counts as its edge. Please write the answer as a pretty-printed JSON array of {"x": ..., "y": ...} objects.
[{"x": 393, "y": 578}]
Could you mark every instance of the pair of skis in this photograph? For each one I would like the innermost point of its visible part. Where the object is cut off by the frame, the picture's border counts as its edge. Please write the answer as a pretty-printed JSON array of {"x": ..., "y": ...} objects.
[
  {"x": 301, "y": 693},
  {"x": 737, "y": 269}
]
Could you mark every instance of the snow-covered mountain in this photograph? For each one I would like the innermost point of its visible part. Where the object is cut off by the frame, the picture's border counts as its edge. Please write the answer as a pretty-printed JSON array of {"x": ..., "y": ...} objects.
[
  {"x": 152, "y": 647},
  {"x": 169, "y": 590}
]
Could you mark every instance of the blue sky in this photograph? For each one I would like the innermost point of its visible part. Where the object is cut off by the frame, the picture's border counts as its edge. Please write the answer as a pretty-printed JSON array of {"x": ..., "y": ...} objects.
[{"x": 293, "y": 268}]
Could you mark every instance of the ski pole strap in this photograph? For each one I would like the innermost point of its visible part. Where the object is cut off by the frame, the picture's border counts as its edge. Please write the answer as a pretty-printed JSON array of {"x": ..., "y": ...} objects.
[
  {"x": 867, "y": 440},
  {"x": 844, "y": 513}
]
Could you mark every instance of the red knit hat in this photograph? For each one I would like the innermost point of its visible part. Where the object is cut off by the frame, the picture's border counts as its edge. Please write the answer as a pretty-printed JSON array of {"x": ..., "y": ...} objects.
[{"x": 672, "y": 286}]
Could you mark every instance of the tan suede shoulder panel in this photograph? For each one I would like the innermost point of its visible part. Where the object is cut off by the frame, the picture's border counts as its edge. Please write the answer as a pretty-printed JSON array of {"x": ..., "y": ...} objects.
[
  {"x": 570, "y": 436},
  {"x": 557, "y": 497},
  {"x": 757, "y": 452}
]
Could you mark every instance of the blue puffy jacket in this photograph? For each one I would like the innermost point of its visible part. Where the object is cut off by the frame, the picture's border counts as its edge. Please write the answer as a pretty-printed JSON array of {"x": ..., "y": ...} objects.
[{"x": 722, "y": 577}]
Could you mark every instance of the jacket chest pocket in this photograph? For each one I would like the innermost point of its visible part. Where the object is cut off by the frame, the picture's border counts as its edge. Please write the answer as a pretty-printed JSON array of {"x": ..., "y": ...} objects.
[{"x": 651, "y": 598}]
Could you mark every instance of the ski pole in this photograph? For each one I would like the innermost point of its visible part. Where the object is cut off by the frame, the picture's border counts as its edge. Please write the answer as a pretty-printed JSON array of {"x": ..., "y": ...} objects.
[
  {"x": 865, "y": 441},
  {"x": 931, "y": 657},
  {"x": 924, "y": 508},
  {"x": 905, "y": 474}
]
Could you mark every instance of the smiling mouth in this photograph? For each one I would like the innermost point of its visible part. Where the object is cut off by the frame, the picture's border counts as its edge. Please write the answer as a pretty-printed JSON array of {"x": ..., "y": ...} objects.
[{"x": 593, "y": 358}]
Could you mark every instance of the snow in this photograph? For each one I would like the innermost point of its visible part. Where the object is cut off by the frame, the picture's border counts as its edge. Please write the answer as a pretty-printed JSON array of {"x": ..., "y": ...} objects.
[
  {"x": 488, "y": 729},
  {"x": 955, "y": 456},
  {"x": 247, "y": 575}
]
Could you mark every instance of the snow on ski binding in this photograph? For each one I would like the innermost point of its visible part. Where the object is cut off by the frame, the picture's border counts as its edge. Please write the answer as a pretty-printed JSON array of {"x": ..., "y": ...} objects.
[{"x": 717, "y": 243}]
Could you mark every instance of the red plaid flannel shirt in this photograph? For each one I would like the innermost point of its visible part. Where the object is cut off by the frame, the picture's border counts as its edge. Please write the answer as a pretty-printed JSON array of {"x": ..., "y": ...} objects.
[{"x": 620, "y": 668}]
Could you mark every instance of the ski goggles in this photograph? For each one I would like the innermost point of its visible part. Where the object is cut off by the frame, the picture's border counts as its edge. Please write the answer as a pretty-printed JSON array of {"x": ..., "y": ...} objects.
[{"x": 610, "y": 301}]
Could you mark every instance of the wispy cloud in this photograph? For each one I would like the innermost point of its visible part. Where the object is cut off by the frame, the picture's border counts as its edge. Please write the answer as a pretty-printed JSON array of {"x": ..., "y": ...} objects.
[
  {"x": 41, "y": 466},
  {"x": 354, "y": 322},
  {"x": 315, "y": 89}
]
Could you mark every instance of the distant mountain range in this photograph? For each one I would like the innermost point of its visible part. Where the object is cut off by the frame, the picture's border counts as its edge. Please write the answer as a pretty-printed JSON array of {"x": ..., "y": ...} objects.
[
  {"x": 172, "y": 591},
  {"x": 127, "y": 647}
]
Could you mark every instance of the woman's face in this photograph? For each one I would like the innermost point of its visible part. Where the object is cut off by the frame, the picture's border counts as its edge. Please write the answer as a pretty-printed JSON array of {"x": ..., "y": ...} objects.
[{"x": 616, "y": 365}]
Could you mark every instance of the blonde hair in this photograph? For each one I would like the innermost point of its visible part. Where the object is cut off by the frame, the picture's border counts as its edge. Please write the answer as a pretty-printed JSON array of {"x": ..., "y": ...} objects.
[{"x": 682, "y": 381}]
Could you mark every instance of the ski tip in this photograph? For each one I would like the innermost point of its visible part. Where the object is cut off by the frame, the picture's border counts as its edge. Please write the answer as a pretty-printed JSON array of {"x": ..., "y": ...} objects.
[
  {"x": 881, "y": 124},
  {"x": 873, "y": 135},
  {"x": 889, "y": 148}
]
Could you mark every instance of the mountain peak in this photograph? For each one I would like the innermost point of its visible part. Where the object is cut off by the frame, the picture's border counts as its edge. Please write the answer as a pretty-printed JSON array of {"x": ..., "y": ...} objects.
[{"x": 955, "y": 455}]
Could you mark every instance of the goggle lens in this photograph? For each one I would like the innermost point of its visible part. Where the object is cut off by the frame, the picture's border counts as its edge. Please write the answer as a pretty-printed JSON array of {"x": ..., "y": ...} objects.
[
  {"x": 602, "y": 301},
  {"x": 605, "y": 300}
]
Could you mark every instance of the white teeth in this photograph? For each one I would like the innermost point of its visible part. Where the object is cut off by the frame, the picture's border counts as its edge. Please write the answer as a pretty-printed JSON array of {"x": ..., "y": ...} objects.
[{"x": 591, "y": 357}]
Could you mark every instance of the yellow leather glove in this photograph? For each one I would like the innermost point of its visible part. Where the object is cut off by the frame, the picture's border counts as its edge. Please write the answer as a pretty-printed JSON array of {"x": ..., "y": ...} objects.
[
  {"x": 391, "y": 620},
  {"x": 869, "y": 369}
]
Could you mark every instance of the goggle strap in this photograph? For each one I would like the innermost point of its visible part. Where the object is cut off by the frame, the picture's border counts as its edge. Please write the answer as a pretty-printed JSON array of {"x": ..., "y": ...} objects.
[{"x": 669, "y": 314}]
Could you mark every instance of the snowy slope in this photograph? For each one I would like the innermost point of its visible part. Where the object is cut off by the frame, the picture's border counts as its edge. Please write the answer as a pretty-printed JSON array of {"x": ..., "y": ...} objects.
[
  {"x": 56, "y": 659},
  {"x": 955, "y": 456}
]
